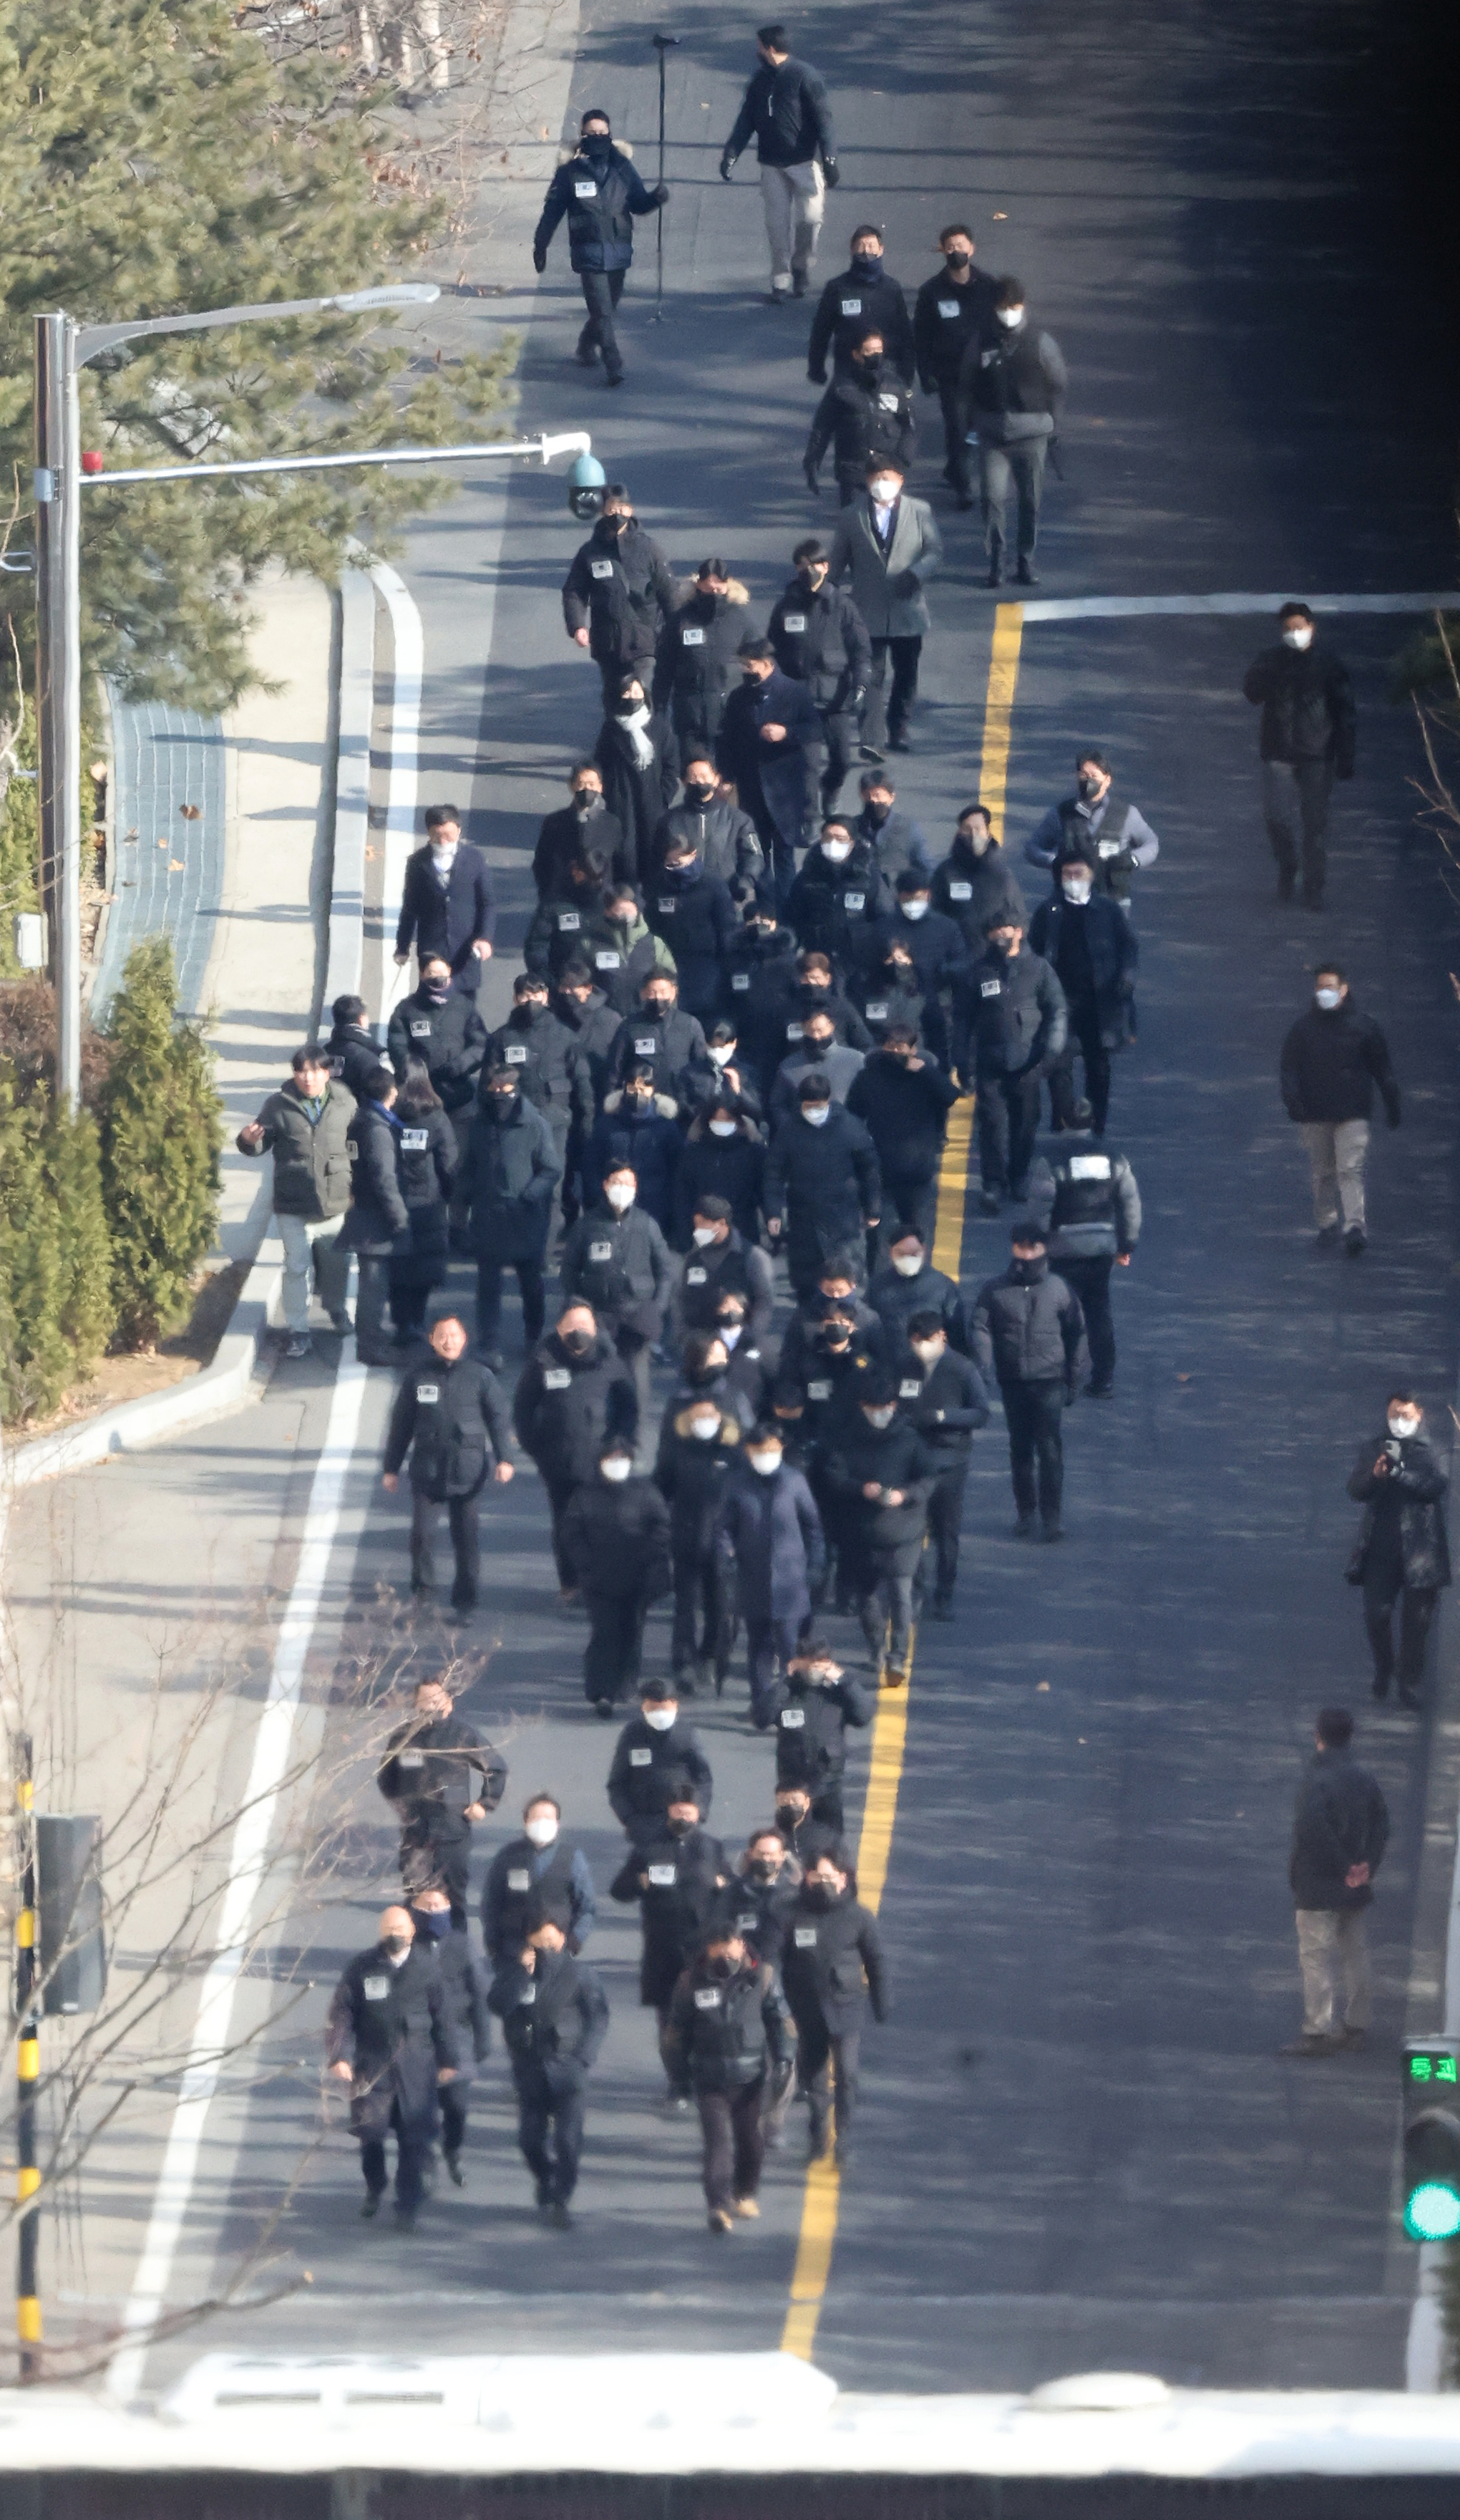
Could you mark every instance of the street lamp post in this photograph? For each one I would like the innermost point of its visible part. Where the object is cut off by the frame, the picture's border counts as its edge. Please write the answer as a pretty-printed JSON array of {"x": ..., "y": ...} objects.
[{"x": 63, "y": 349}]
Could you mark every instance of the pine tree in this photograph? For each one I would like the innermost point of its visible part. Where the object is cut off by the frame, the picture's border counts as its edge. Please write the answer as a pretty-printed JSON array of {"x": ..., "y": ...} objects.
[
  {"x": 35, "y": 1358},
  {"x": 161, "y": 1135},
  {"x": 86, "y": 1313},
  {"x": 154, "y": 159}
]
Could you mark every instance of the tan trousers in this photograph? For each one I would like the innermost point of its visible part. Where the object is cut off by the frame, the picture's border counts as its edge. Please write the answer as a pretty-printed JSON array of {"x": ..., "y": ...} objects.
[
  {"x": 1336, "y": 1151},
  {"x": 1333, "y": 1944},
  {"x": 795, "y": 200},
  {"x": 391, "y": 28}
]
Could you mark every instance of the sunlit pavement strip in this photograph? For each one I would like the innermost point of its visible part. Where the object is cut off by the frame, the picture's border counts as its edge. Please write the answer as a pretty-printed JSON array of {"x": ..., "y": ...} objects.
[{"x": 1135, "y": 607}]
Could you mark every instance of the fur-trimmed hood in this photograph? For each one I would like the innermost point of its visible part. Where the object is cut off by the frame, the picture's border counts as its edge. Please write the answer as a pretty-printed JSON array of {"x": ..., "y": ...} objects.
[
  {"x": 664, "y": 1104},
  {"x": 730, "y": 1432},
  {"x": 565, "y": 157},
  {"x": 686, "y": 587}
]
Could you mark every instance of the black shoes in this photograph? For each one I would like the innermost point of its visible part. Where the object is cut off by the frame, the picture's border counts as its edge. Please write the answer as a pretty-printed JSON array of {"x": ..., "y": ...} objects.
[
  {"x": 454, "y": 2171},
  {"x": 897, "y": 743},
  {"x": 944, "y": 1612},
  {"x": 1315, "y": 2043},
  {"x": 1356, "y": 1242},
  {"x": 989, "y": 1202},
  {"x": 800, "y": 281},
  {"x": 1327, "y": 1236},
  {"x": 1026, "y": 1527},
  {"x": 1025, "y": 576},
  {"x": 371, "y": 2206},
  {"x": 995, "y": 574}
]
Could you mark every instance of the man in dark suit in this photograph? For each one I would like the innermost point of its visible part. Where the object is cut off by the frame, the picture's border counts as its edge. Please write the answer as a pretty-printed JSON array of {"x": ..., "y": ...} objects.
[
  {"x": 446, "y": 905},
  {"x": 769, "y": 729}
]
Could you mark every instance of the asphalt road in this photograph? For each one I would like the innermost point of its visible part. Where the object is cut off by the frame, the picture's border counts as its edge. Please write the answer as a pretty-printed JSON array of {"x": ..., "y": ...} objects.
[{"x": 1079, "y": 2147}]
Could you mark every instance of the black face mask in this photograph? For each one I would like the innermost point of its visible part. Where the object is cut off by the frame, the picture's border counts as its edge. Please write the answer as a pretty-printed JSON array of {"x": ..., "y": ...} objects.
[
  {"x": 527, "y": 1010},
  {"x": 679, "y": 1828},
  {"x": 637, "y": 1101},
  {"x": 502, "y": 1105},
  {"x": 723, "y": 1967},
  {"x": 586, "y": 800},
  {"x": 596, "y": 144},
  {"x": 877, "y": 814},
  {"x": 815, "y": 1049},
  {"x": 1028, "y": 1273},
  {"x": 761, "y": 1870},
  {"x": 870, "y": 369},
  {"x": 957, "y": 262},
  {"x": 698, "y": 792},
  {"x": 653, "y": 1012},
  {"x": 813, "y": 585},
  {"x": 1089, "y": 788},
  {"x": 575, "y": 1342},
  {"x": 626, "y": 707},
  {"x": 818, "y": 1894},
  {"x": 608, "y": 528},
  {"x": 437, "y": 991},
  {"x": 867, "y": 265},
  {"x": 836, "y": 1343}
]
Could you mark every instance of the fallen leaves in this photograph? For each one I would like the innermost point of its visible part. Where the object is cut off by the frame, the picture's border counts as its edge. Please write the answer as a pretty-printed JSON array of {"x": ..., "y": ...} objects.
[
  {"x": 177, "y": 866},
  {"x": 1042, "y": 1685},
  {"x": 191, "y": 813}
]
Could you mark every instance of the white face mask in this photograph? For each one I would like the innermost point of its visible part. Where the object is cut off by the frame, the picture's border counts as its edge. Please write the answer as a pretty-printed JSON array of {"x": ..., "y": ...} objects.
[
  {"x": 1400, "y": 1426},
  {"x": 836, "y": 850},
  {"x": 704, "y": 1430},
  {"x": 730, "y": 1336},
  {"x": 542, "y": 1832},
  {"x": 720, "y": 1129},
  {"x": 1078, "y": 893},
  {"x": 914, "y": 910},
  {"x": 879, "y": 1418},
  {"x": 815, "y": 1114},
  {"x": 977, "y": 840},
  {"x": 442, "y": 852},
  {"x": 619, "y": 1198},
  {"x": 884, "y": 493},
  {"x": 1009, "y": 316},
  {"x": 1298, "y": 633},
  {"x": 704, "y": 1233},
  {"x": 906, "y": 1263},
  {"x": 615, "y": 1471},
  {"x": 1328, "y": 999},
  {"x": 722, "y": 1053},
  {"x": 929, "y": 1350},
  {"x": 659, "y": 1718},
  {"x": 767, "y": 1462}
]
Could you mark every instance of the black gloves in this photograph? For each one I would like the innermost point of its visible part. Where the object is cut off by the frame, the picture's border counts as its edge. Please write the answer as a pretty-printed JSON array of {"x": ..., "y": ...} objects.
[
  {"x": 539, "y": 257},
  {"x": 811, "y": 484},
  {"x": 727, "y": 167},
  {"x": 832, "y": 174},
  {"x": 816, "y": 375},
  {"x": 660, "y": 196}
]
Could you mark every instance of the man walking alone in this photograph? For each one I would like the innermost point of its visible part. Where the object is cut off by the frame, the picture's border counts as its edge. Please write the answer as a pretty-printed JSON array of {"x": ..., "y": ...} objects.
[
  {"x": 1339, "y": 1831},
  {"x": 785, "y": 109}
]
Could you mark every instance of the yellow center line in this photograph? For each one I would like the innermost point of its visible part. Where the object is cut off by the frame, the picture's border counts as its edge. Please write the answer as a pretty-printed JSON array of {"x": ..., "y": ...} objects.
[{"x": 998, "y": 709}]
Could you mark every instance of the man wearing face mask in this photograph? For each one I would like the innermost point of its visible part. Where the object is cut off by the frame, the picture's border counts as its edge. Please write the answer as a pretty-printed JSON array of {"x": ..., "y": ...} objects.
[
  {"x": 543, "y": 1057},
  {"x": 750, "y": 1361},
  {"x": 882, "y": 1473},
  {"x": 727, "y": 1078},
  {"x": 638, "y": 754},
  {"x": 887, "y": 547},
  {"x": 1009, "y": 1026},
  {"x": 1332, "y": 1060},
  {"x": 511, "y": 1171},
  {"x": 1011, "y": 387},
  {"x": 785, "y": 109},
  {"x": 615, "y": 1549},
  {"x": 354, "y": 1051},
  {"x": 1090, "y": 945},
  {"x": 943, "y": 1395},
  {"x": 726, "y": 2039},
  {"x": 1403, "y": 1552},
  {"x": 442, "y": 1029},
  {"x": 468, "y": 2023},
  {"x": 1305, "y": 742},
  {"x": 838, "y": 896},
  {"x": 865, "y": 413},
  {"x": 637, "y": 1129},
  {"x": 823, "y": 1189},
  {"x": 1086, "y": 1202},
  {"x": 802, "y": 1837},
  {"x": 555, "y": 2016},
  {"x": 698, "y": 1447},
  {"x": 446, "y": 903},
  {"x": 833, "y": 1966},
  {"x": 618, "y": 593},
  {"x": 658, "y": 1755},
  {"x": 693, "y": 912},
  {"x": 589, "y": 1014},
  {"x": 759, "y": 1897},
  {"x": 772, "y": 1550},
  {"x": 720, "y": 1257},
  {"x": 895, "y": 839},
  {"x": 448, "y": 1415},
  {"x": 708, "y": 823},
  {"x": 811, "y": 1710},
  {"x": 1097, "y": 828},
  {"x": 377, "y": 1222},
  {"x": 426, "y": 1776},
  {"x": 903, "y": 1101},
  {"x": 934, "y": 943},
  {"x": 862, "y": 299},
  {"x": 907, "y": 1286},
  {"x": 537, "y": 1866},
  {"x": 834, "y": 1296},
  {"x": 696, "y": 664},
  {"x": 600, "y": 194},
  {"x": 616, "y": 1259},
  {"x": 572, "y": 923},
  {"x": 890, "y": 1002},
  {"x": 581, "y": 825},
  {"x": 573, "y": 1391},
  {"x": 661, "y": 1035},
  {"x": 770, "y": 731},
  {"x": 821, "y": 639},
  {"x": 388, "y": 2039},
  {"x": 976, "y": 880},
  {"x": 816, "y": 1054},
  {"x": 1029, "y": 1332},
  {"x": 675, "y": 1873},
  {"x": 948, "y": 311},
  {"x": 622, "y": 965},
  {"x": 759, "y": 973}
]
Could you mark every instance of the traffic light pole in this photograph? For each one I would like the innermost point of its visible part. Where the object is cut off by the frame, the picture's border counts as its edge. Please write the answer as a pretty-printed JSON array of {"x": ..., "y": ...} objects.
[{"x": 27, "y": 2075}]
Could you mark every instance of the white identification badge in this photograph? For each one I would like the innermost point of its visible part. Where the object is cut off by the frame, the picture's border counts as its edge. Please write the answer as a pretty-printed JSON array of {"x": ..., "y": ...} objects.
[
  {"x": 948, "y": 306},
  {"x": 555, "y": 1377},
  {"x": 876, "y": 1014},
  {"x": 960, "y": 893},
  {"x": 1090, "y": 1168},
  {"x": 421, "y": 1027},
  {"x": 646, "y": 1047},
  {"x": 794, "y": 1031},
  {"x": 818, "y": 1391},
  {"x": 990, "y": 988},
  {"x": 601, "y": 568},
  {"x": 795, "y": 622},
  {"x": 608, "y": 962},
  {"x": 518, "y": 1881},
  {"x": 850, "y": 306},
  {"x": 600, "y": 1251},
  {"x": 640, "y": 1757},
  {"x": 739, "y": 980},
  {"x": 415, "y": 1142},
  {"x": 1108, "y": 848},
  {"x": 568, "y": 923},
  {"x": 667, "y": 905},
  {"x": 516, "y": 1056},
  {"x": 529, "y": 1993},
  {"x": 747, "y": 1923},
  {"x": 661, "y": 1877},
  {"x": 806, "y": 1938},
  {"x": 696, "y": 1277},
  {"x": 410, "y": 1758},
  {"x": 908, "y": 1390},
  {"x": 707, "y": 1999},
  {"x": 427, "y": 1392},
  {"x": 854, "y": 900},
  {"x": 793, "y": 1719},
  {"x": 987, "y": 358},
  {"x": 887, "y": 402},
  {"x": 692, "y": 638},
  {"x": 585, "y": 192},
  {"x": 377, "y": 1988}
]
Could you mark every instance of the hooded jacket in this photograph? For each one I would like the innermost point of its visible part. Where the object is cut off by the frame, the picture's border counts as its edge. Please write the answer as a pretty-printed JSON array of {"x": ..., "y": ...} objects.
[
  {"x": 564, "y": 1406},
  {"x": 428, "y": 1164},
  {"x": 692, "y": 1476},
  {"x": 354, "y": 1057},
  {"x": 825, "y": 1182},
  {"x": 1028, "y": 1326},
  {"x": 619, "y": 590},
  {"x": 696, "y": 664},
  {"x": 378, "y": 1221},
  {"x": 600, "y": 194}
]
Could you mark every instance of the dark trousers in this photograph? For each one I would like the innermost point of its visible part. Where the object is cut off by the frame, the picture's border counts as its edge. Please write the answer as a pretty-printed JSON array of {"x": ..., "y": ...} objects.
[
  {"x": 1008, "y": 1119},
  {"x": 543, "y": 2112},
  {"x": 1084, "y": 1036},
  {"x": 820, "y": 2054},
  {"x": 634, "y": 1347},
  {"x": 489, "y": 1273},
  {"x": 1417, "y": 1609},
  {"x": 429, "y": 1861},
  {"x": 602, "y": 291},
  {"x": 884, "y": 1600},
  {"x": 701, "y": 1626},
  {"x": 1298, "y": 793},
  {"x": 615, "y": 1644},
  {"x": 410, "y": 2162},
  {"x": 1090, "y": 1279},
  {"x": 767, "y": 1640},
  {"x": 558, "y": 1492},
  {"x": 828, "y": 1807},
  {"x": 1021, "y": 469},
  {"x": 735, "y": 2143},
  {"x": 904, "y": 655},
  {"x": 1033, "y": 1411},
  {"x": 829, "y": 769},
  {"x": 954, "y": 452},
  {"x": 453, "y": 2099},
  {"x": 945, "y": 1521},
  {"x": 908, "y": 1203},
  {"x": 462, "y": 1515},
  {"x": 409, "y": 1297},
  {"x": 373, "y": 1290}
]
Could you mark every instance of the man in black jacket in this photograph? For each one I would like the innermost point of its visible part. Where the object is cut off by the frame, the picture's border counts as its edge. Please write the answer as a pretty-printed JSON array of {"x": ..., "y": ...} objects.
[
  {"x": 975, "y": 880},
  {"x": 655, "y": 1754},
  {"x": 570, "y": 1394},
  {"x": 784, "y": 110},
  {"x": 676, "y": 1872},
  {"x": 440, "y": 1027},
  {"x": 1009, "y": 1027},
  {"x": 907, "y": 1284},
  {"x": 1085, "y": 1199},
  {"x": 600, "y": 194},
  {"x": 1029, "y": 1331},
  {"x": 823, "y": 1191},
  {"x": 306, "y": 1128},
  {"x": 543, "y": 1057},
  {"x": 864, "y": 299},
  {"x": 388, "y": 2038},
  {"x": 661, "y": 1034},
  {"x": 943, "y": 1393},
  {"x": 1010, "y": 388},
  {"x": 692, "y": 911},
  {"x": 555, "y": 2017},
  {"x": 617, "y": 1552},
  {"x": 450, "y": 1417},
  {"x": 934, "y": 945},
  {"x": 564, "y": 836},
  {"x": 427, "y": 1776},
  {"x": 354, "y": 1051},
  {"x": 721, "y": 833},
  {"x": 838, "y": 897},
  {"x": 1402, "y": 1549},
  {"x": 616, "y": 1259},
  {"x": 833, "y": 1964},
  {"x": 1090, "y": 946},
  {"x": 1305, "y": 742},
  {"x": 948, "y": 311},
  {"x": 720, "y": 1260},
  {"x": 464, "y": 2001},
  {"x": 695, "y": 665},
  {"x": 770, "y": 737},
  {"x": 1332, "y": 1059},
  {"x": 446, "y": 903},
  {"x": 699, "y": 1445},
  {"x": 809, "y": 1710},
  {"x": 727, "y": 2038},
  {"x": 882, "y": 1473},
  {"x": 821, "y": 639},
  {"x": 865, "y": 413},
  {"x": 1339, "y": 1831},
  {"x": 378, "y": 1223},
  {"x": 903, "y": 1099},
  {"x": 617, "y": 593}
]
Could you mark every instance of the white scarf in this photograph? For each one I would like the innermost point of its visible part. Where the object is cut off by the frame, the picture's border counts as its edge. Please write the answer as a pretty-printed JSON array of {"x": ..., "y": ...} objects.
[{"x": 634, "y": 726}]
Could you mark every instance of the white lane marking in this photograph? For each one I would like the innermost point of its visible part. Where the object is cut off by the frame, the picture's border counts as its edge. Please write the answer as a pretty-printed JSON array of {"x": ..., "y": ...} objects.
[
  {"x": 1128, "y": 608},
  {"x": 248, "y": 1866},
  {"x": 408, "y": 640}
]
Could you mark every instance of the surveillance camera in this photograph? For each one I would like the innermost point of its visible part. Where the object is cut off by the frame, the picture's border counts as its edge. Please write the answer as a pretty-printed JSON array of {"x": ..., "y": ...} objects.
[{"x": 586, "y": 483}]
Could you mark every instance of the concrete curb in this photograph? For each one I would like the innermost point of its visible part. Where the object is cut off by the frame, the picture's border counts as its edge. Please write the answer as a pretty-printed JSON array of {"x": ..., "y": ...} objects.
[{"x": 345, "y": 964}]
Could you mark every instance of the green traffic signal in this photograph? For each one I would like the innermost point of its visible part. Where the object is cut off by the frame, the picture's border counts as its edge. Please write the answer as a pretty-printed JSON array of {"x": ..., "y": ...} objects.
[{"x": 1432, "y": 2212}]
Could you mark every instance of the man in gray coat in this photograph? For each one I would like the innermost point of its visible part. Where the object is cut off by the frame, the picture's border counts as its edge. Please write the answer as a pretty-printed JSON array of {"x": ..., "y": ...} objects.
[
  {"x": 305, "y": 1127},
  {"x": 888, "y": 547}
]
